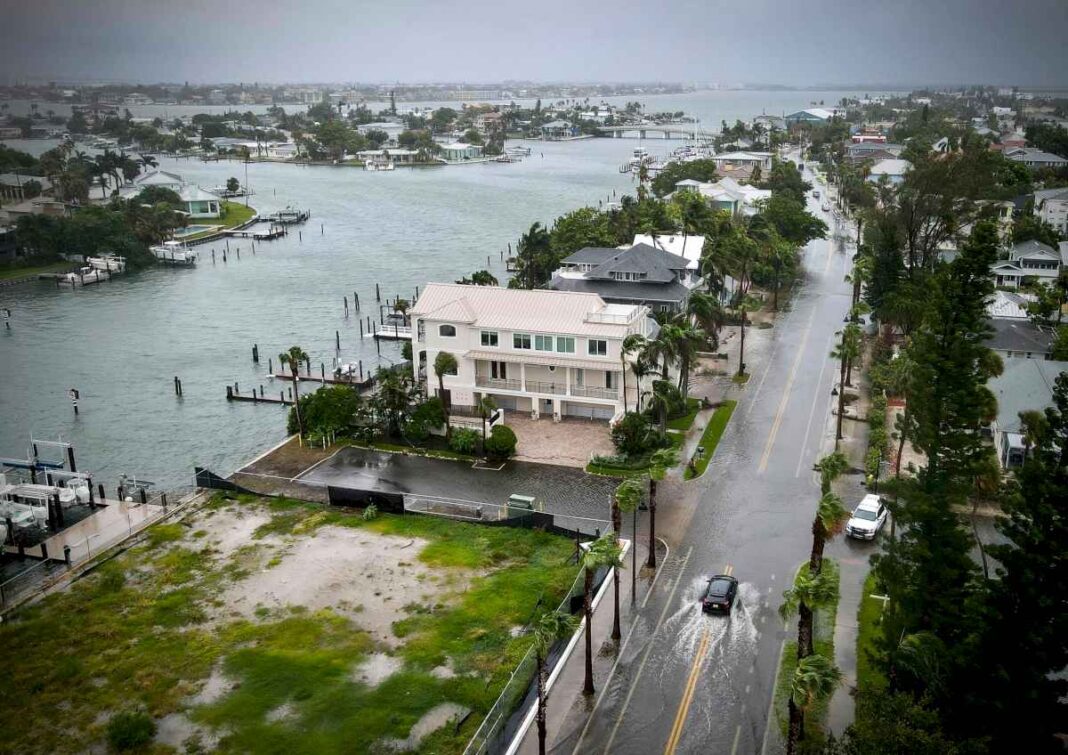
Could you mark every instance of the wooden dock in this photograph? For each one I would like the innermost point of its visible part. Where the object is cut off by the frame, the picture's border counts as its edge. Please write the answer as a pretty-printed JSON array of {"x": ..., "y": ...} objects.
[
  {"x": 275, "y": 232},
  {"x": 261, "y": 398},
  {"x": 393, "y": 332},
  {"x": 355, "y": 382}
]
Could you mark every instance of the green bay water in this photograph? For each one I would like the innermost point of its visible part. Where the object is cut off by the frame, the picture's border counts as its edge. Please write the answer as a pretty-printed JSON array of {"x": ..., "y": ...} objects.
[{"x": 121, "y": 343}]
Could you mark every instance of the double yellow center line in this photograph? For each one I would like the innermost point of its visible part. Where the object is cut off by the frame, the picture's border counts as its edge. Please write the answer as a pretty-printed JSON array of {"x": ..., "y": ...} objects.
[{"x": 691, "y": 685}]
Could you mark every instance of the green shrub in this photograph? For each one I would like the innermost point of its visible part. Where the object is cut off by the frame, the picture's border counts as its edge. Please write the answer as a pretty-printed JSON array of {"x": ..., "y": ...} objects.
[
  {"x": 501, "y": 443},
  {"x": 428, "y": 416},
  {"x": 635, "y": 434},
  {"x": 130, "y": 730},
  {"x": 464, "y": 440},
  {"x": 371, "y": 512}
]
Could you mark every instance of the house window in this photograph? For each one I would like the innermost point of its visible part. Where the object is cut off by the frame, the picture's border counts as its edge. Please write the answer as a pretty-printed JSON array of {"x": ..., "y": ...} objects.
[
  {"x": 521, "y": 340},
  {"x": 543, "y": 343},
  {"x": 489, "y": 338},
  {"x": 609, "y": 379},
  {"x": 597, "y": 348},
  {"x": 579, "y": 376},
  {"x": 499, "y": 370},
  {"x": 565, "y": 344},
  {"x": 448, "y": 331}
]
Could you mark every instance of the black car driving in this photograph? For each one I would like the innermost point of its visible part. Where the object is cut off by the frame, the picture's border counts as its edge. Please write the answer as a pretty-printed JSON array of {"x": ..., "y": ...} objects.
[{"x": 720, "y": 594}]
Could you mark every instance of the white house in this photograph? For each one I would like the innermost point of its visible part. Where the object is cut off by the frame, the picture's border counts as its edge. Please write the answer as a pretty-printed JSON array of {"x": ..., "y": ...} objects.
[
  {"x": 460, "y": 151},
  {"x": 727, "y": 194},
  {"x": 894, "y": 170},
  {"x": 1028, "y": 259},
  {"x": 1051, "y": 205},
  {"x": 198, "y": 203},
  {"x": 1024, "y": 385},
  {"x": 544, "y": 352},
  {"x": 760, "y": 160}
]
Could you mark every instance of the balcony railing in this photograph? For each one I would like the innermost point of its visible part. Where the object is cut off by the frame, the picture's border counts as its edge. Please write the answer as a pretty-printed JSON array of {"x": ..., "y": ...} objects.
[
  {"x": 504, "y": 384},
  {"x": 538, "y": 386},
  {"x": 592, "y": 392}
]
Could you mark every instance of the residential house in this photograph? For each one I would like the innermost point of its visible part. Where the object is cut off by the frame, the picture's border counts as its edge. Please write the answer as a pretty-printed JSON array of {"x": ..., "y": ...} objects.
[
  {"x": 1051, "y": 206},
  {"x": 728, "y": 194},
  {"x": 486, "y": 122},
  {"x": 558, "y": 130},
  {"x": 640, "y": 274},
  {"x": 893, "y": 170},
  {"x": 398, "y": 156},
  {"x": 730, "y": 160},
  {"x": 9, "y": 244},
  {"x": 1034, "y": 158},
  {"x": 1028, "y": 260},
  {"x": 858, "y": 152},
  {"x": 200, "y": 203},
  {"x": 1024, "y": 385},
  {"x": 12, "y": 186},
  {"x": 770, "y": 122},
  {"x": 10, "y": 213},
  {"x": 282, "y": 150},
  {"x": 459, "y": 151},
  {"x": 557, "y": 353},
  {"x": 692, "y": 248},
  {"x": 1019, "y": 338}
]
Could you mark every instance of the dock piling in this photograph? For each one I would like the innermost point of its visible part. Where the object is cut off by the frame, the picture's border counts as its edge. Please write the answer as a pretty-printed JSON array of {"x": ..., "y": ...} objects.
[
  {"x": 322, "y": 232},
  {"x": 361, "y": 329},
  {"x": 213, "y": 256},
  {"x": 356, "y": 301},
  {"x": 100, "y": 487},
  {"x": 378, "y": 293},
  {"x": 270, "y": 366},
  {"x": 337, "y": 340},
  {"x": 346, "y": 300},
  {"x": 256, "y": 353}
]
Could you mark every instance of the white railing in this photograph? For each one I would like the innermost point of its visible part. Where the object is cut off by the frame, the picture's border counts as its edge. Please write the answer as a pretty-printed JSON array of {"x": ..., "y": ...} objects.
[
  {"x": 504, "y": 384},
  {"x": 592, "y": 392}
]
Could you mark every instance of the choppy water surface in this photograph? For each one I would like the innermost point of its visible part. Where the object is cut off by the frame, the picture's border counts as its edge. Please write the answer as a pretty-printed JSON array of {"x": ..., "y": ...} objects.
[{"x": 121, "y": 343}]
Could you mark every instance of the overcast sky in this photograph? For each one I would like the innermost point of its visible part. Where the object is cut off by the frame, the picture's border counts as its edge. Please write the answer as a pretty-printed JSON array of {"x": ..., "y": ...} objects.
[{"x": 791, "y": 42}]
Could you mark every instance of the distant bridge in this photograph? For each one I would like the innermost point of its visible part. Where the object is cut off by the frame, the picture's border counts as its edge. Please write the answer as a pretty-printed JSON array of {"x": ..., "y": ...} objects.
[{"x": 666, "y": 130}]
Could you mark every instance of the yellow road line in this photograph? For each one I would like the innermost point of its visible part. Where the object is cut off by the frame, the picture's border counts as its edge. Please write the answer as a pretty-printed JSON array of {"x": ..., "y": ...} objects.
[
  {"x": 786, "y": 394},
  {"x": 687, "y": 695}
]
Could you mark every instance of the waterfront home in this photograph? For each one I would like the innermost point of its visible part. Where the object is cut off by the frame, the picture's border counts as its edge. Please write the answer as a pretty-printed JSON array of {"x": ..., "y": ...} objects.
[
  {"x": 1024, "y": 385},
  {"x": 810, "y": 115},
  {"x": 893, "y": 170},
  {"x": 1051, "y": 206},
  {"x": 282, "y": 150},
  {"x": 395, "y": 155},
  {"x": 729, "y": 160},
  {"x": 1028, "y": 261},
  {"x": 1034, "y": 158},
  {"x": 553, "y": 353},
  {"x": 728, "y": 194},
  {"x": 13, "y": 186},
  {"x": 558, "y": 130},
  {"x": 199, "y": 203},
  {"x": 10, "y": 213},
  {"x": 692, "y": 248},
  {"x": 641, "y": 274},
  {"x": 162, "y": 178},
  {"x": 459, "y": 151}
]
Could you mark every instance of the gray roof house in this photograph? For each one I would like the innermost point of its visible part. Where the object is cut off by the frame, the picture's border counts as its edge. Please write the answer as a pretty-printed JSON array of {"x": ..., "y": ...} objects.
[
  {"x": 1020, "y": 339},
  {"x": 641, "y": 274},
  {"x": 1035, "y": 158},
  {"x": 1028, "y": 259},
  {"x": 1024, "y": 385}
]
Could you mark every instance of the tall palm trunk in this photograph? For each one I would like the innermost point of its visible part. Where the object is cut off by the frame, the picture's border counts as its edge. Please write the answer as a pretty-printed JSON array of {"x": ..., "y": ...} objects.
[
  {"x": 541, "y": 702},
  {"x": 624, "y": 360},
  {"x": 819, "y": 541},
  {"x": 793, "y": 735},
  {"x": 587, "y": 611},
  {"x": 447, "y": 408},
  {"x": 804, "y": 631},
  {"x": 651, "y": 562},
  {"x": 617, "y": 525},
  {"x": 293, "y": 368},
  {"x": 741, "y": 346},
  {"x": 841, "y": 405}
]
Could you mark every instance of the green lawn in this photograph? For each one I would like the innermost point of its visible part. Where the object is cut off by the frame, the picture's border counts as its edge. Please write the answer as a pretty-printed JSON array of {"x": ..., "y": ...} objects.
[
  {"x": 234, "y": 213},
  {"x": 740, "y": 379},
  {"x": 823, "y": 643},
  {"x": 684, "y": 422},
  {"x": 869, "y": 619},
  {"x": 710, "y": 438},
  {"x": 137, "y": 634},
  {"x": 7, "y": 273}
]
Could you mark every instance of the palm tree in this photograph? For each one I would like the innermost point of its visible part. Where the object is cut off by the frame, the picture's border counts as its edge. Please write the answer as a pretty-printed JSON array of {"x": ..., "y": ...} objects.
[
  {"x": 830, "y": 517},
  {"x": 550, "y": 628},
  {"x": 815, "y": 678},
  {"x": 601, "y": 552},
  {"x": 293, "y": 359},
  {"x": 690, "y": 341},
  {"x": 147, "y": 161},
  {"x": 635, "y": 342},
  {"x": 663, "y": 350},
  {"x": 663, "y": 398},
  {"x": 659, "y": 463},
  {"x": 445, "y": 364},
  {"x": 707, "y": 312},
  {"x": 847, "y": 349},
  {"x": 486, "y": 407},
  {"x": 830, "y": 467},
  {"x": 641, "y": 370},
  {"x": 626, "y": 499},
  {"x": 809, "y": 592},
  {"x": 899, "y": 376}
]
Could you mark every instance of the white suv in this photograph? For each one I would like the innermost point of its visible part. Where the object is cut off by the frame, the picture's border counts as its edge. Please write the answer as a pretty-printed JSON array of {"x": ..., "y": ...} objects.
[{"x": 867, "y": 519}]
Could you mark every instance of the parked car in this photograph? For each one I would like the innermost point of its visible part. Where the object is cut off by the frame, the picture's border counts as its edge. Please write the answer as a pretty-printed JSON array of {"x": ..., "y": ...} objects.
[
  {"x": 815, "y": 193},
  {"x": 826, "y": 207},
  {"x": 720, "y": 594},
  {"x": 868, "y": 518}
]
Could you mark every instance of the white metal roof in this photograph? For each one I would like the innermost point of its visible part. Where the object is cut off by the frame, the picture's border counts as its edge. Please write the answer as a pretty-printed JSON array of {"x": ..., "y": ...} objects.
[{"x": 541, "y": 311}]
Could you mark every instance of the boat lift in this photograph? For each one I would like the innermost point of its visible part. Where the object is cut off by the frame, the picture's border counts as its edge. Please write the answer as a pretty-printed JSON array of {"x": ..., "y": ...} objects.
[{"x": 34, "y": 463}]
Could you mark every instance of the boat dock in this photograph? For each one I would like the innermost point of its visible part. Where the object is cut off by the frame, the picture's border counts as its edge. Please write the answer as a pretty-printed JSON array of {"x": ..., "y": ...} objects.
[
  {"x": 261, "y": 398},
  {"x": 289, "y": 216},
  {"x": 356, "y": 381},
  {"x": 83, "y": 277},
  {"x": 392, "y": 332},
  {"x": 274, "y": 232}
]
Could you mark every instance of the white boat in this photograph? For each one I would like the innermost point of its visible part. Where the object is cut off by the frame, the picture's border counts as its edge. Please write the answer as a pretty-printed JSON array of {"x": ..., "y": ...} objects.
[
  {"x": 82, "y": 277},
  {"x": 174, "y": 253},
  {"x": 379, "y": 165},
  {"x": 22, "y": 515},
  {"x": 107, "y": 262},
  {"x": 517, "y": 151},
  {"x": 28, "y": 493}
]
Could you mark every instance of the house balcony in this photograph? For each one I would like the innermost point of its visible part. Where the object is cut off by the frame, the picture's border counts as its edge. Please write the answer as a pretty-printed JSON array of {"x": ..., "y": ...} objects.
[
  {"x": 540, "y": 386},
  {"x": 606, "y": 393},
  {"x": 501, "y": 384}
]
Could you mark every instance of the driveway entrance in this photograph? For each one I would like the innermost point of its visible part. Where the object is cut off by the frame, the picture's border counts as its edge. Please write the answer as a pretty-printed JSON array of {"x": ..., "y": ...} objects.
[{"x": 568, "y": 443}]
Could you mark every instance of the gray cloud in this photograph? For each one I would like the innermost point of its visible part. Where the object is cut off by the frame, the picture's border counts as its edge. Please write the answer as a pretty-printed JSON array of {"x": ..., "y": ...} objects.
[{"x": 793, "y": 43}]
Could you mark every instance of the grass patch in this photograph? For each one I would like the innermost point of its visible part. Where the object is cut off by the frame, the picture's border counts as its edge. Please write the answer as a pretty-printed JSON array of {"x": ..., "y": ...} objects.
[
  {"x": 7, "y": 273},
  {"x": 823, "y": 643},
  {"x": 717, "y": 424},
  {"x": 605, "y": 470},
  {"x": 685, "y": 422},
  {"x": 433, "y": 453},
  {"x": 870, "y": 678},
  {"x": 132, "y": 636},
  {"x": 233, "y": 214},
  {"x": 740, "y": 379}
]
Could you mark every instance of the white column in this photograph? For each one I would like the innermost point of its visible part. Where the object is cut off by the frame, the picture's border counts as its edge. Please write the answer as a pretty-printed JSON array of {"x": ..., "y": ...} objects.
[{"x": 523, "y": 376}]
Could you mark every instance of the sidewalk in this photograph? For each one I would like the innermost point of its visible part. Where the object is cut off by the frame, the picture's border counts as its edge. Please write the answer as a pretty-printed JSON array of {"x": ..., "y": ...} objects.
[{"x": 567, "y": 709}]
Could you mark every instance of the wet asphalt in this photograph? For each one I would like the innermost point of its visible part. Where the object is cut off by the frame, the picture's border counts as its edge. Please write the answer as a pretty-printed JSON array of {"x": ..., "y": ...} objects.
[{"x": 750, "y": 514}]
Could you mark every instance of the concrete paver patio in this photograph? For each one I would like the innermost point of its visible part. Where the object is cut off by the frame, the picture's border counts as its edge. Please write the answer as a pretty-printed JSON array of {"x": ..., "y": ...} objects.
[{"x": 569, "y": 443}]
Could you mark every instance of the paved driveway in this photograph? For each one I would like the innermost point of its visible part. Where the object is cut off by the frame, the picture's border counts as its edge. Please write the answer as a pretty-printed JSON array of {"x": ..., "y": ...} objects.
[
  {"x": 567, "y": 493},
  {"x": 568, "y": 443}
]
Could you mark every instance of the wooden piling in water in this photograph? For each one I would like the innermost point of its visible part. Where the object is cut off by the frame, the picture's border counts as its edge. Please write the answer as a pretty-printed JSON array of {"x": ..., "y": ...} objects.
[
  {"x": 337, "y": 340},
  {"x": 378, "y": 293},
  {"x": 256, "y": 353},
  {"x": 356, "y": 300}
]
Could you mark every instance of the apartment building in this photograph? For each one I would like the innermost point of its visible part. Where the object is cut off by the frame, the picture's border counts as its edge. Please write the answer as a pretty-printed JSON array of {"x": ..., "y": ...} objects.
[{"x": 549, "y": 353}]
